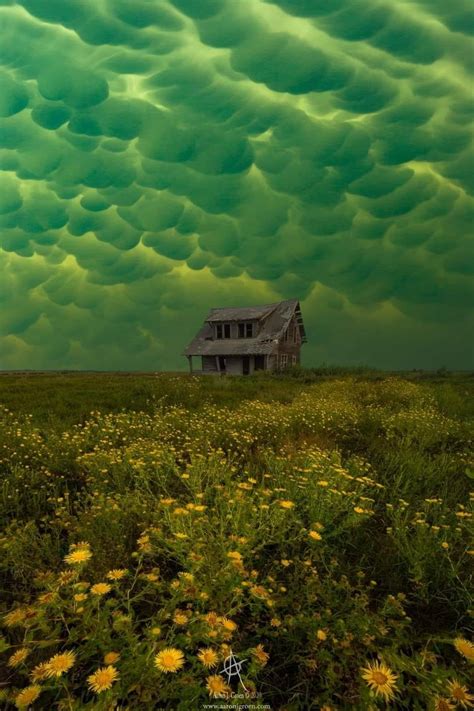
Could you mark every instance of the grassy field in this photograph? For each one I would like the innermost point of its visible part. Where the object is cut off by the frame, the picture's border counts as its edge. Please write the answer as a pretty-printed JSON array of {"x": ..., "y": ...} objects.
[{"x": 316, "y": 525}]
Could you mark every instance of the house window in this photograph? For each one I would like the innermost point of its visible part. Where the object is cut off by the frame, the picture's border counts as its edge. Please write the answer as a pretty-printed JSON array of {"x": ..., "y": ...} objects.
[
  {"x": 283, "y": 360},
  {"x": 245, "y": 330},
  {"x": 223, "y": 330},
  {"x": 293, "y": 360}
]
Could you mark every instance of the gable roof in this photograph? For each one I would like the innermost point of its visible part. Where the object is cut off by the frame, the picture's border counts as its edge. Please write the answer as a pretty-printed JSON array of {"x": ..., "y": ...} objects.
[{"x": 275, "y": 317}]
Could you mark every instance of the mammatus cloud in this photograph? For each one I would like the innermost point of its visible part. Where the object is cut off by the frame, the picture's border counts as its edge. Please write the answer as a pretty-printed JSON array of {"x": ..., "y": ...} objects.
[{"x": 161, "y": 157}]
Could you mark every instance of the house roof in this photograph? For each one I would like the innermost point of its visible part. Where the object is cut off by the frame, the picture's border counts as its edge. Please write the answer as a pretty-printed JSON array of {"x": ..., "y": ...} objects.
[{"x": 275, "y": 317}]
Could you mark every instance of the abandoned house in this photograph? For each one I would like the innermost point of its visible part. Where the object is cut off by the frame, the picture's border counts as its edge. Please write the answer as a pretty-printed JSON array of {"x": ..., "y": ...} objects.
[{"x": 240, "y": 341}]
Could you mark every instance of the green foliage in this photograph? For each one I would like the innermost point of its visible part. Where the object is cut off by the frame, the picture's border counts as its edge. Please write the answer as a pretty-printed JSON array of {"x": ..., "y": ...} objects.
[{"x": 311, "y": 528}]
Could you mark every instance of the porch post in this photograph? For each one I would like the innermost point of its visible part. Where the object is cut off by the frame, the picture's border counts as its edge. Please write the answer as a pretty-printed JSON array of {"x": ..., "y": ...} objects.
[{"x": 190, "y": 359}]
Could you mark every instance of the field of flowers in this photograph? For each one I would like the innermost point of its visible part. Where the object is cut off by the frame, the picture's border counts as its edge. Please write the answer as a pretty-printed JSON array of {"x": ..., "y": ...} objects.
[{"x": 320, "y": 534}]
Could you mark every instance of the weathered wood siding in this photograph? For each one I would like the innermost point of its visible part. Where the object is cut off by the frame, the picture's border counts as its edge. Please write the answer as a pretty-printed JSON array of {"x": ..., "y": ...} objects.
[
  {"x": 209, "y": 364},
  {"x": 289, "y": 346}
]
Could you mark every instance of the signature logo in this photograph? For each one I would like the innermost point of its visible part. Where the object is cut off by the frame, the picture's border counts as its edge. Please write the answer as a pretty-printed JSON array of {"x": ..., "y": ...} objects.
[{"x": 232, "y": 668}]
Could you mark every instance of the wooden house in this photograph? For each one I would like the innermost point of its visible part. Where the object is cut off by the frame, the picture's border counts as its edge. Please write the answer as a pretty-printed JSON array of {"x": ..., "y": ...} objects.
[{"x": 240, "y": 341}]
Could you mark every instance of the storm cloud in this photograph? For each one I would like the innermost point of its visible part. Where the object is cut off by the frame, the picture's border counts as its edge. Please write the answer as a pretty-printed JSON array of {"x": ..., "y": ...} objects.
[{"x": 160, "y": 157}]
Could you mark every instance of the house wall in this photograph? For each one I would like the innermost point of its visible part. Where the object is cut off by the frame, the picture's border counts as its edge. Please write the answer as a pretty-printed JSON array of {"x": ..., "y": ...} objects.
[
  {"x": 288, "y": 347},
  {"x": 209, "y": 364}
]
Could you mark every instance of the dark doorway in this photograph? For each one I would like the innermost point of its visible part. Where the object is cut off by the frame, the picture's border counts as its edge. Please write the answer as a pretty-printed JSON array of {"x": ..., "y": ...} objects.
[
  {"x": 245, "y": 365},
  {"x": 259, "y": 362},
  {"x": 222, "y": 364}
]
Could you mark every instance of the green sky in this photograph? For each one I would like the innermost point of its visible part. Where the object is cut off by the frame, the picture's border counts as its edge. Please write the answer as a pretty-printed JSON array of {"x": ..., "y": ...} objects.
[{"x": 161, "y": 157}]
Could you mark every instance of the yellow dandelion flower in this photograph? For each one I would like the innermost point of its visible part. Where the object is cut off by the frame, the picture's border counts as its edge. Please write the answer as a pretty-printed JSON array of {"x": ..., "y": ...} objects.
[
  {"x": 80, "y": 597},
  {"x": 208, "y": 657},
  {"x": 380, "y": 679},
  {"x": 212, "y": 619},
  {"x": 111, "y": 657},
  {"x": 275, "y": 622},
  {"x": 460, "y": 694},
  {"x": 40, "y": 672},
  {"x": 464, "y": 647},
  {"x": 46, "y": 598},
  {"x": 102, "y": 679},
  {"x": 169, "y": 660},
  {"x": 260, "y": 654},
  {"x": 441, "y": 704},
  {"x": 234, "y": 555},
  {"x": 359, "y": 510},
  {"x": 216, "y": 685},
  {"x": 28, "y": 696},
  {"x": 116, "y": 574},
  {"x": 15, "y": 617},
  {"x": 101, "y": 589},
  {"x": 180, "y": 618},
  {"x": 60, "y": 663},
  {"x": 315, "y": 535},
  {"x": 321, "y": 635},
  {"x": 78, "y": 556},
  {"x": 18, "y": 657},
  {"x": 156, "y": 631},
  {"x": 285, "y": 504},
  {"x": 227, "y": 624}
]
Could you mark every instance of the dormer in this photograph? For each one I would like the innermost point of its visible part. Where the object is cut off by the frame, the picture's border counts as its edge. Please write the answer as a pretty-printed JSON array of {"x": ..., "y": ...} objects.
[{"x": 246, "y": 329}]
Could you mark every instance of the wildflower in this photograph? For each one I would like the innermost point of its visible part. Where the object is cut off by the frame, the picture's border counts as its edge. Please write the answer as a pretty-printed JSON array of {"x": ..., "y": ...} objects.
[
  {"x": 216, "y": 685},
  {"x": 227, "y": 624},
  {"x": 212, "y": 619},
  {"x": 465, "y": 648},
  {"x": 102, "y": 679},
  {"x": 169, "y": 660},
  {"x": 80, "y": 597},
  {"x": 116, "y": 574},
  {"x": 60, "y": 663},
  {"x": 208, "y": 657},
  {"x": 359, "y": 510},
  {"x": 234, "y": 555},
  {"x": 460, "y": 694},
  {"x": 40, "y": 672},
  {"x": 315, "y": 535},
  {"x": 101, "y": 589},
  {"x": 156, "y": 631},
  {"x": 15, "y": 617},
  {"x": 18, "y": 657},
  {"x": 111, "y": 657},
  {"x": 286, "y": 504},
  {"x": 78, "y": 556},
  {"x": 445, "y": 545},
  {"x": 442, "y": 704},
  {"x": 321, "y": 635},
  {"x": 380, "y": 679},
  {"x": 260, "y": 654},
  {"x": 28, "y": 696},
  {"x": 275, "y": 622},
  {"x": 180, "y": 617}
]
